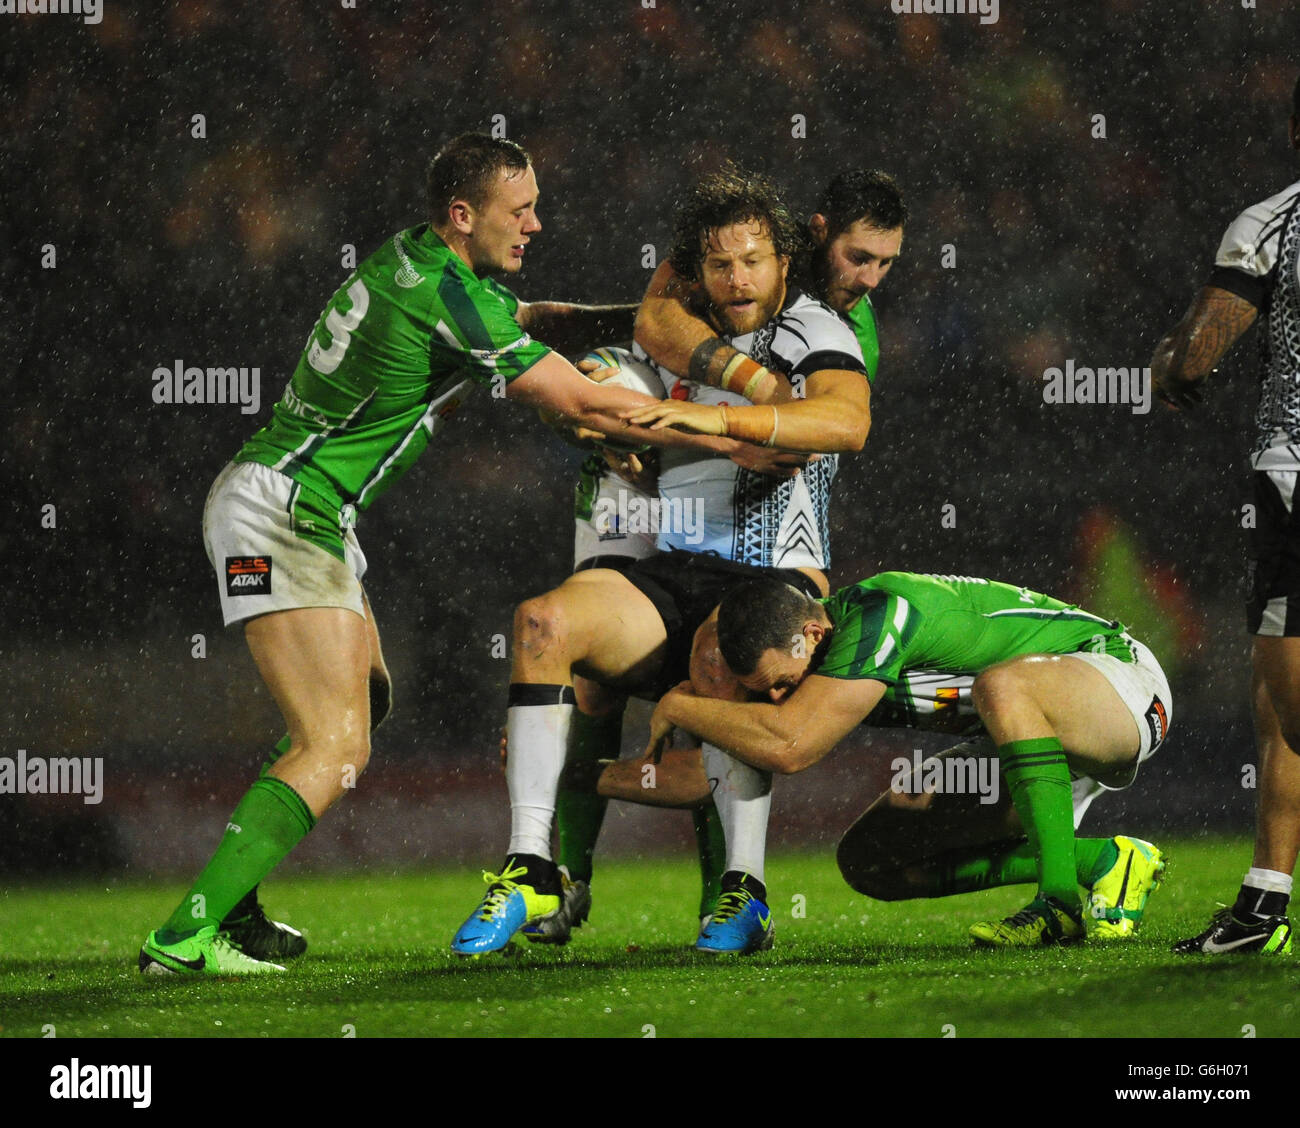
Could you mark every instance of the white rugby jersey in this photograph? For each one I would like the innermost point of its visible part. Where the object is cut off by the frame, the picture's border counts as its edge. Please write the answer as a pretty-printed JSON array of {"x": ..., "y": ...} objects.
[
  {"x": 749, "y": 517},
  {"x": 1259, "y": 260}
]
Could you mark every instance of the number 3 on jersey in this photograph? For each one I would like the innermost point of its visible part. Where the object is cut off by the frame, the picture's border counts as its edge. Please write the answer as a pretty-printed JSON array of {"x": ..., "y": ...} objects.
[{"x": 340, "y": 327}]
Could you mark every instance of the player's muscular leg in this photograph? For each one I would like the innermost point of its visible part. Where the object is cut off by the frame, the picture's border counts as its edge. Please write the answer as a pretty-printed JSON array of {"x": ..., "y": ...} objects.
[
  {"x": 317, "y": 661},
  {"x": 1276, "y": 695},
  {"x": 596, "y": 624},
  {"x": 1053, "y": 695},
  {"x": 886, "y": 852}
]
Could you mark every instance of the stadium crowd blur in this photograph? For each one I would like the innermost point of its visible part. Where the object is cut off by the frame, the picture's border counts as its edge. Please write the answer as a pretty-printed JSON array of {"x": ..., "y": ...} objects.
[{"x": 319, "y": 121}]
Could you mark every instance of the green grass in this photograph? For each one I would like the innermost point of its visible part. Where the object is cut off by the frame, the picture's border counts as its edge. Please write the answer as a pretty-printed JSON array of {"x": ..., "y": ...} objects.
[{"x": 850, "y": 967}]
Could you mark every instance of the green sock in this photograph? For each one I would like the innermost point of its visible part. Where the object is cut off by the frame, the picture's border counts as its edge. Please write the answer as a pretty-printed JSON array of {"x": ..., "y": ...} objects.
[
  {"x": 712, "y": 844},
  {"x": 1039, "y": 781},
  {"x": 281, "y": 747},
  {"x": 967, "y": 871},
  {"x": 270, "y": 821},
  {"x": 579, "y": 813},
  {"x": 1093, "y": 857}
]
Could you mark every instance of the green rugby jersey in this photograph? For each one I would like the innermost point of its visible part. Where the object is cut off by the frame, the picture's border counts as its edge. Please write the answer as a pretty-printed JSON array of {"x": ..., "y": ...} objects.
[
  {"x": 396, "y": 350},
  {"x": 926, "y": 637},
  {"x": 862, "y": 320}
]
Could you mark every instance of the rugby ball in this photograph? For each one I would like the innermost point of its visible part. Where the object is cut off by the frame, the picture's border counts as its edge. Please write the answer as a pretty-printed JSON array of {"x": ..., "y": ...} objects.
[{"x": 635, "y": 375}]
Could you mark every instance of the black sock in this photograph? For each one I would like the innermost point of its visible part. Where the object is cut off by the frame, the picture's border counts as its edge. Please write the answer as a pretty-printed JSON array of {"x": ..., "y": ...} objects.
[
  {"x": 543, "y": 874},
  {"x": 734, "y": 880},
  {"x": 1257, "y": 904}
]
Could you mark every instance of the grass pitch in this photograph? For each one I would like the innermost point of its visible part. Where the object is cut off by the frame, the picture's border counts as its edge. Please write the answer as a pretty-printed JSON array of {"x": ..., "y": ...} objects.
[{"x": 379, "y": 965}]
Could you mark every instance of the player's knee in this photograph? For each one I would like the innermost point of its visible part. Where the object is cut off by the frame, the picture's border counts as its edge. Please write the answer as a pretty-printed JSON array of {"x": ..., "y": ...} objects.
[
  {"x": 995, "y": 689},
  {"x": 539, "y": 623},
  {"x": 381, "y": 698},
  {"x": 354, "y": 757}
]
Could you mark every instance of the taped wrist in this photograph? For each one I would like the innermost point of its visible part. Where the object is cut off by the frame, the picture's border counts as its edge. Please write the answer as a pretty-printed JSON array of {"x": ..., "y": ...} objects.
[
  {"x": 745, "y": 377},
  {"x": 752, "y": 426}
]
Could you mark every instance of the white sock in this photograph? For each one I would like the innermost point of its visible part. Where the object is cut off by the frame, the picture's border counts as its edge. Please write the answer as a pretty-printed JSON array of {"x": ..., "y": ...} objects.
[
  {"x": 537, "y": 739},
  {"x": 743, "y": 796},
  {"x": 1270, "y": 881}
]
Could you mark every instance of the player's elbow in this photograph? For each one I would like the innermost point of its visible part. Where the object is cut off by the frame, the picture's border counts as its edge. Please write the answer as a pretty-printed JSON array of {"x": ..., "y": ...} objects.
[
  {"x": 850, "y": 435},
  {"x": 858, "y": 430},
  {"x": 649, "y": 330},
  {"x": 789, "y": 757}
]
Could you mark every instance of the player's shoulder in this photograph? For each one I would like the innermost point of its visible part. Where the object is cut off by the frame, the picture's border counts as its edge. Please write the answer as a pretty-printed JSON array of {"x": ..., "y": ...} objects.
[
  {"x": 803, "y": 312},
  {"x": 1262, "y": 213},
  {"x": 1251, "y": 240},
  {"x": 809, "y": 335}
]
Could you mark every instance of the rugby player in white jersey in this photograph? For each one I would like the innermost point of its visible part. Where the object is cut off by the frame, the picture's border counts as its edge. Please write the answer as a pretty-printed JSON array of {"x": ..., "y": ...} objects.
[
  {"x": 1257, "y": 270},
  {"x": 633, "y": 630},
  {"x": 856, "y": 235}
]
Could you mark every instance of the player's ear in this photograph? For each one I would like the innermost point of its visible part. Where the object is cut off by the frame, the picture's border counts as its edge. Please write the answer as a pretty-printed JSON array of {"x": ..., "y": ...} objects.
[
  {"x": 461, "y": 216},
  {"x": 814, "y": 632},
  {"x": 817, "y": 228},
  {"x": 784, "y": 260}
]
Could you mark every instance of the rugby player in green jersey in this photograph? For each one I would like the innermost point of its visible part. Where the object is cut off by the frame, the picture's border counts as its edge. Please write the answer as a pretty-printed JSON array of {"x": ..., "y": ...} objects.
[
  {"x": 401, "y": 343},
  {"x": 632, "y": 629},
  {"x": 856, "y": 236},
  {"x": 1059, "y": 691}
]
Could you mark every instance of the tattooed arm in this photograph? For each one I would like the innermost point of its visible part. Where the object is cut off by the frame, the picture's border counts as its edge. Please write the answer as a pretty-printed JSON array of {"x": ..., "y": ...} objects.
[{"x": 1187, "y": 355}]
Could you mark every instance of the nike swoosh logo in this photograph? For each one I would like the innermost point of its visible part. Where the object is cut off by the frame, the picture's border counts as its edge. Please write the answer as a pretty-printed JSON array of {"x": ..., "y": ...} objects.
[
  {"x": 193, "y": 965},
  {"x": 1214, "y": 948}
]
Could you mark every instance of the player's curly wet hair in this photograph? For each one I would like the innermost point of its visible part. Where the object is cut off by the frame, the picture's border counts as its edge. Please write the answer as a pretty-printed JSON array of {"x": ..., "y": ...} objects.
[
  {"x": 730, "y": 195},
  {"x": 865, "y": 194},
  {"x": 758, "y": 616},
  {"x": 465, "y": 168}
]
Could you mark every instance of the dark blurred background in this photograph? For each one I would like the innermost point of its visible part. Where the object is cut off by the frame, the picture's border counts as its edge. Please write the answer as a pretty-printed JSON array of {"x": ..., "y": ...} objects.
[{"x": 320, "y": 121}]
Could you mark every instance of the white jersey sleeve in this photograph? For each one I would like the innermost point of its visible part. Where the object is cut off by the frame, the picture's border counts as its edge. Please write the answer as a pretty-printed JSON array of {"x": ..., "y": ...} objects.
[
  {"x": 1248, "y": 252},
  {"x": 806, "y": 337}
]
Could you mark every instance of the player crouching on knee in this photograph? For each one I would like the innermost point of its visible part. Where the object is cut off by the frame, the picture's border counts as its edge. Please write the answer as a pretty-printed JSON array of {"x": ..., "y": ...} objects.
[{"x": 1062, "y": 693}]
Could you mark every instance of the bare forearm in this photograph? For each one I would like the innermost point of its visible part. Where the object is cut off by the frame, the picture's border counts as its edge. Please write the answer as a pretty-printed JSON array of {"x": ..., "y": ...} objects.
[
  {"x": 825, "y": 425},
  {"x": 569, "y": 328},
  {"x": 1187, "y": 355},
  {"x": 751, "y": 732}
]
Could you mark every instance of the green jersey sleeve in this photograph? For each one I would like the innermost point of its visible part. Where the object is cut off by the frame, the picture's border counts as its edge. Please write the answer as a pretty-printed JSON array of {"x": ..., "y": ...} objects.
[
  {"x": 862, "y": 318},
  {"x": 479, "y": 330},
  {"x": 872, "y": 632}
]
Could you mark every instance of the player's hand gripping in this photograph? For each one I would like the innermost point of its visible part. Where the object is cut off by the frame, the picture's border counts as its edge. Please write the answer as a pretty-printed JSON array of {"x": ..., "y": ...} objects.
[
  {"x": 703, "y": 419},
  {"x": 661, "y": 729},
  {"x": 774, "y": 463}
]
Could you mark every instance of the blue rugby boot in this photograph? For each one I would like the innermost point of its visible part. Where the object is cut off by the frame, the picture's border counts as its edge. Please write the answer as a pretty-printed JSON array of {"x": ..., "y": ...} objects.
[
  {"x": 509, "y": 904},
  {"x": 741, "y": 923}
]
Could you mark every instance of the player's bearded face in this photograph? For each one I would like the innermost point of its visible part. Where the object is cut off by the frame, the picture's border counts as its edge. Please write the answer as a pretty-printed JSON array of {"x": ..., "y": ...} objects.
[
  {"x": 855, "y": 262},
  {"x": 743, "y": 277},
  {"x": 504, "y": 225}
]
